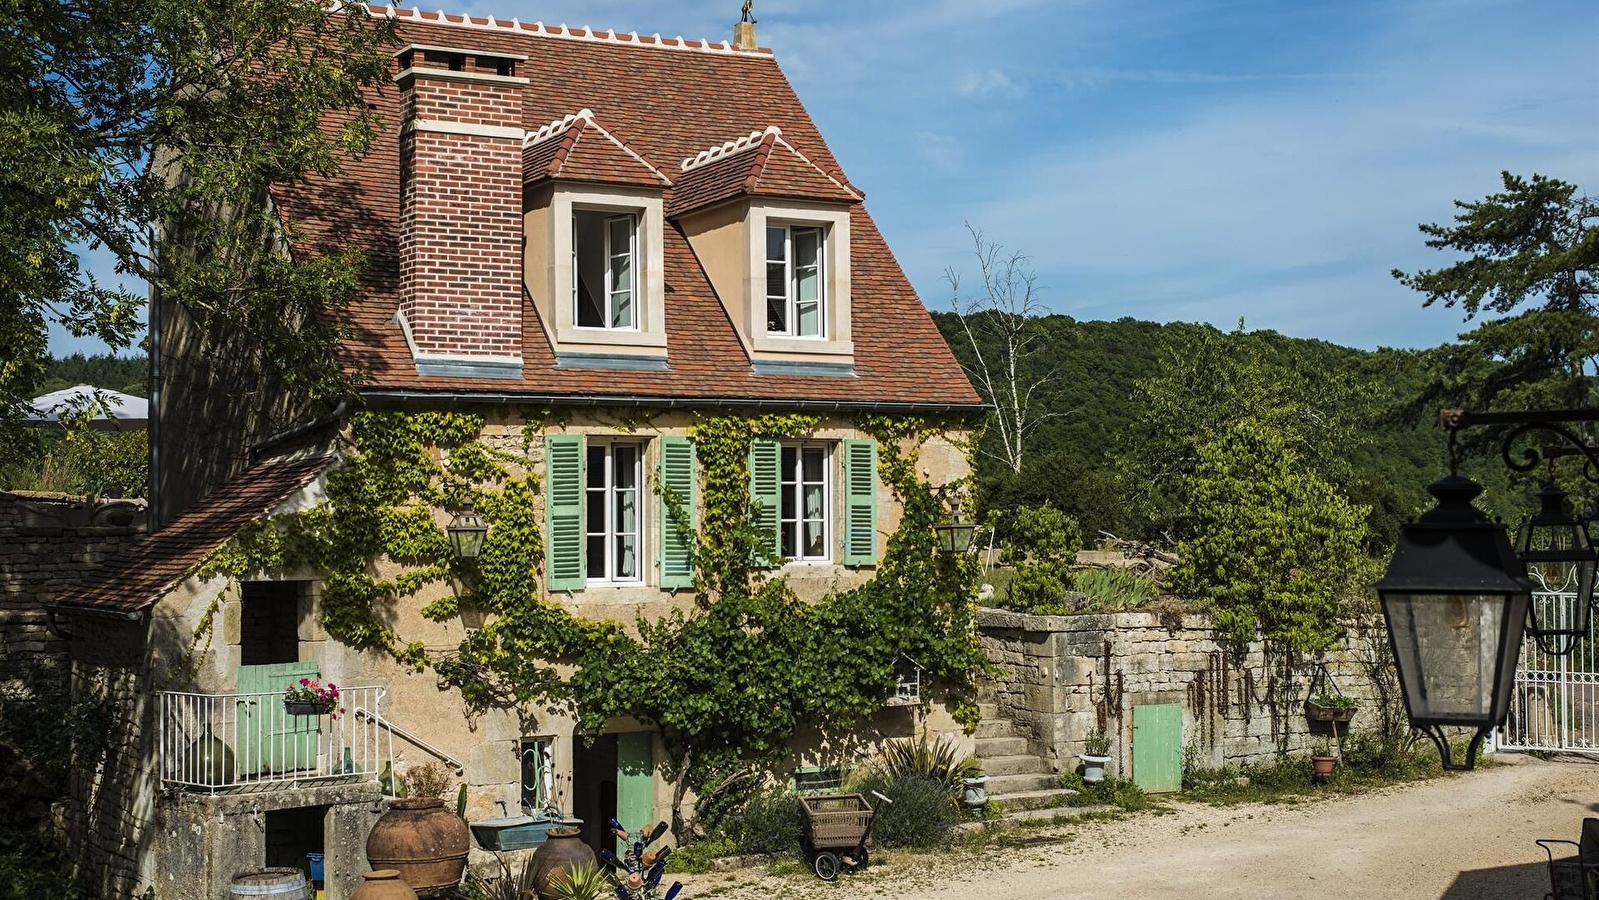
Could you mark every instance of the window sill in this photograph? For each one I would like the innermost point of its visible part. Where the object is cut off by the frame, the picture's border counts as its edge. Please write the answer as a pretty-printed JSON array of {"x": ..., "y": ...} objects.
[
  {"x": 842, "y": 351},
  {"x": 617, "y": 339}
]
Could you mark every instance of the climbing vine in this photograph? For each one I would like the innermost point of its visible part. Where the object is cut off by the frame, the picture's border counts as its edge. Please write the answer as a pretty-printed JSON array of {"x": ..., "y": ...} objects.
[{"x": 729, "y": 681}]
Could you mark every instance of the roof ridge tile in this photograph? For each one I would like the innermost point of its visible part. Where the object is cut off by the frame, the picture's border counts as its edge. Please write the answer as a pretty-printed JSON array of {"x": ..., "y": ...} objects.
[
  {"x": 610, "y": 36},
  {"x": 724, "y": 150}
]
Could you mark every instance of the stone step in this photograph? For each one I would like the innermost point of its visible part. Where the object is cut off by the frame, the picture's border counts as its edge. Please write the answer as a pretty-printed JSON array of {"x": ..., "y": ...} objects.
[
  {"x": 988, "y": 710},
  {"x": 1001, "y": 785},
  {"x": 994, "y": 728},
  {"x": 1029, "y": 800},
  {"x": 1019, "y": 764},
  {"x": 1010, "y": 745},
  {"x": 1013, "y": 819}
]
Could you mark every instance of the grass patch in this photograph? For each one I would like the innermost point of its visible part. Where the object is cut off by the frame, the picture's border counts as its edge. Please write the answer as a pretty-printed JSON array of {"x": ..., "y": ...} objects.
[
  {"x": 1112, "y": 791},
  {"x": 1366, "y": 764},
  {"x": 696, "y": 857}
]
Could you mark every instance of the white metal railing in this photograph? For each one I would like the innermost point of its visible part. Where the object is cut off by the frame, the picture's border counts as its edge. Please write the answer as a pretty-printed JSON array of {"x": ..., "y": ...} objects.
[
  {"x": 247, "y": 742},
  {"x": 376, "y": 718}
]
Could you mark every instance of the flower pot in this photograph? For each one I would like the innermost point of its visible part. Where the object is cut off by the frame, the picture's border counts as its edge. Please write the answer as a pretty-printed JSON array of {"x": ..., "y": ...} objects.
[
  {"x": 976, "y": 793},
  {"x": 1315, "y": 712},
  {"x": 1323, "y": 766},
  {"x": 302, "y": 708},
  {"x": 1093, "y": 767},
  {"x": 426, "y": 843},
  {"x": 384, "y": 884},
  {"x": 563, "y": 850}
]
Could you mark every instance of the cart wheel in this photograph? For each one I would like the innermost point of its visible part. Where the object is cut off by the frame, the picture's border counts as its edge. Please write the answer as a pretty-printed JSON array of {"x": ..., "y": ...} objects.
[
  {"x": 826, "y": 865},
  {"x": 862, "y": 859}
]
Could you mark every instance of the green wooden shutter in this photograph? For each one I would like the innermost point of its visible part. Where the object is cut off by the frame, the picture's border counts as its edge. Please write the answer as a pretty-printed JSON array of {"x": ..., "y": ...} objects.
[
  {"x": 564, "y": 564},
  {"x": 677, "y": 544},
  {"x": 860, "y": 503},
  {"x": 766, "y": 487},
  {"x": 269, "y": 739}
]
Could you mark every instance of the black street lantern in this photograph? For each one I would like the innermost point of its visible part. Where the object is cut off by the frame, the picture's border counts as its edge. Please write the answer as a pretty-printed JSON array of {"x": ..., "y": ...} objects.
[
  {"x": 1455, "y": 597},
  {"x": 466, "y": 532},
  {"x": 1558, "y": 552},
  {"x": 955, "y": 536}
]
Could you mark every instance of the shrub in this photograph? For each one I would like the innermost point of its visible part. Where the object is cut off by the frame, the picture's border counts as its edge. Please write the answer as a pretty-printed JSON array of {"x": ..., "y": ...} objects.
[
  {"x": 1112, "y": 791},
  {"x": 941, "y": 763},
  {"x": 1097, "y": 743},
  {"x": 696, "y": 857},
  {"x": 1043, "y": 544},
  {"x": 768, "y": 822},
  {"x": 1109, "y": 590},
  {"x": 427, "y": 780},
  {"x": 921, "y": 812}
]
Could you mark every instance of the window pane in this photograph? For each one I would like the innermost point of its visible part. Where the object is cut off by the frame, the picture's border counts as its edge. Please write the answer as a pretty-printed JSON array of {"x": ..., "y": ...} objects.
[
  {"x": 776, "y": 280},
  {"x": 594, "y": 512},
  {"x": 588, "y": 262},
  {"x": 809, "y": 320},
  {"x": 813, "y": 501},
  {"x": 789, "y": 548},
  {"x": 775, "y": 238},
  {"x": 790, "y": 510},
  {"x": 807, "y": 246},
  {"x": 626, "y": 556},
  {"x": 596, "y": 466},
  {"x": 626, "y": 512},
  {"x": 596, "y": 566},
  {"x": 815, "y": 542},
  {"x": 622, "y": 272},
  {"x": 815, "y": 459},
  {"x": 790, "y": 464},
  {"x": 625, "y": 475}
]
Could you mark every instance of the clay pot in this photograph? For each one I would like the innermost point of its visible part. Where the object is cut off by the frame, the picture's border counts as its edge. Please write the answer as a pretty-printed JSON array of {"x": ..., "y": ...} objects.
[
  {"x": 384, "y": 884},
  {"x": 423, "y": 841},
  {"x": 561, "y": 851},
  {"x": 1323, "y": 766}
]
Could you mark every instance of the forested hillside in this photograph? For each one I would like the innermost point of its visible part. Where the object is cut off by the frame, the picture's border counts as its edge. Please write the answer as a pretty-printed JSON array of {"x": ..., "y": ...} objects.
[{"x": 1099, "y": 418}]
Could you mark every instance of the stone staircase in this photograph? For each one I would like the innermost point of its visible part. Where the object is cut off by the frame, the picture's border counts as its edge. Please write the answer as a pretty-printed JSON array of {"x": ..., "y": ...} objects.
[{"x": 1017, "y": 779}]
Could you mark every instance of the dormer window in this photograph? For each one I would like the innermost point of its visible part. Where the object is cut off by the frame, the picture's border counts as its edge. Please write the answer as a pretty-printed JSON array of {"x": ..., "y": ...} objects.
[
  {"x": 795, "y": 291},
  {"x": 604, "y": 269}
]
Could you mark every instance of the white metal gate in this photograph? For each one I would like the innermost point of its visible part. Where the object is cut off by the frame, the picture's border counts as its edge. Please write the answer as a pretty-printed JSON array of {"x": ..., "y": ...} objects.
[{"x": 1555, "y": 705}]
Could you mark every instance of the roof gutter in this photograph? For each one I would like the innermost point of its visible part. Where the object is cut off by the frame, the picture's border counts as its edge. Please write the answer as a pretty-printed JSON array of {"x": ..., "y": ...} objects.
[
  {"x": 298, "y": 431},
  {"x": 413, "y": 397},
  {"x": 125, "y": 615}
]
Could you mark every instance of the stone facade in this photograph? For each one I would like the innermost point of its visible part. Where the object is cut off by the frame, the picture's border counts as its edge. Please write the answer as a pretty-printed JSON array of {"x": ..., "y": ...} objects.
[
  {"x": 47, "y": 542},
  {"x": 1066, "y": 676}
]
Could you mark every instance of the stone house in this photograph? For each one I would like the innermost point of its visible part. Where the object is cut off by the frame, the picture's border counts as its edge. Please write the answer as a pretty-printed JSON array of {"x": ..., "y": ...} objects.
[{"x": 593, "y": 241}]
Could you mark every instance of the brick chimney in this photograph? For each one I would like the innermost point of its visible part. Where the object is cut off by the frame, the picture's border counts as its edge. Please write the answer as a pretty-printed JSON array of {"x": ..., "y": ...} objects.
[{"x": 461, "y": 211}]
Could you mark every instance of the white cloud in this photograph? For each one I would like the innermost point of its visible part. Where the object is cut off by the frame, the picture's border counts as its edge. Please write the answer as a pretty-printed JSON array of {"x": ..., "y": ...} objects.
[
  {"x": 945, "y": 153},
  {"x": 985, "y": 82}
]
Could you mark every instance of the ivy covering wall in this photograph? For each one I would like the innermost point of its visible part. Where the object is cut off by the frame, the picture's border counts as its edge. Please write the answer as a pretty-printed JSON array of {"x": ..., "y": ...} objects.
[{"x": 728, "y": 681}]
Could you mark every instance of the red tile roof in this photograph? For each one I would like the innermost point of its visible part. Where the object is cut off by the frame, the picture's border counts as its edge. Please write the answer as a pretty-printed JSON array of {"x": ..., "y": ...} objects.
[
  {"x": 155, "y": 564},
  {"x": 577, "y": 148},
  {"x": 672, "y": 99},
  {"x": 759, "y": 164}
]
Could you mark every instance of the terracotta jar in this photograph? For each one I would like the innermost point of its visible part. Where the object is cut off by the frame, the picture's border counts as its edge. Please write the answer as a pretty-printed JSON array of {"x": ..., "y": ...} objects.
[
  {"x": 384, "y": 884},
  {"x": 562, "y": 851},
  {"x": 426, "y": 843}
]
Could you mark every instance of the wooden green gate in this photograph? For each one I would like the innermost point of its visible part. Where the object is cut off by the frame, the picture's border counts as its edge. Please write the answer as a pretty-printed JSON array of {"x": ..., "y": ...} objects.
[
  {"x": 270, "y": 740},
  {"x": 1158, "y": 747}
]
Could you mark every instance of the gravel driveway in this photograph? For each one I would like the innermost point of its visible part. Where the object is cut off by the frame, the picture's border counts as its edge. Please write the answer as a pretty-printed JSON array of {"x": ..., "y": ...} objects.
[{"x": 1458, "y": 838}]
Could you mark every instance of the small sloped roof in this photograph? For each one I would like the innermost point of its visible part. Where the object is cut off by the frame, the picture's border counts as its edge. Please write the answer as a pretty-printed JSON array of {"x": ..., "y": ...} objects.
[
  {"x": 155, "y": 564},
  {"x": 577, "y": 148},
  {"x": 760, "y": 163},
  {"x": 109, "y": 407}
]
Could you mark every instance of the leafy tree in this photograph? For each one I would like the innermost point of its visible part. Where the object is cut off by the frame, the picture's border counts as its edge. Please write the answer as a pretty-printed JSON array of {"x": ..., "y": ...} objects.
[
  {"x": 1003, "y": 340},
  {"x": 1042, "y": 544},
  {"x": 1269, "y": 546},
  {"x": 156, "y": 129},
  {"x": 1531, "y": 260}
]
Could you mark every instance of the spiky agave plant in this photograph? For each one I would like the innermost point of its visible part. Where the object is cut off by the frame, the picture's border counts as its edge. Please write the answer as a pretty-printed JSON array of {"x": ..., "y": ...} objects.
[
  {"x": 941, "y": 762},
  {"x": 584, "y": 881},
  {"x": 513, "y": 884}
]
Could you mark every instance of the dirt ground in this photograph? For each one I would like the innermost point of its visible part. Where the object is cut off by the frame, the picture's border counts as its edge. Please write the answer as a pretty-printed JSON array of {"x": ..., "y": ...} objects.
[{"x": 1467, "y": 837}]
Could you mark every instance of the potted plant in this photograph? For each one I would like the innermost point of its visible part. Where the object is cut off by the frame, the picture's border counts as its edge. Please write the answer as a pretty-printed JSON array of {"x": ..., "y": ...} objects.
[
  {"x": 311, "y": 698},
  {"x": 1330, "y": 707},
  {"x": 1096, "y": 753},
  {"x": 1322, "y": 759}
]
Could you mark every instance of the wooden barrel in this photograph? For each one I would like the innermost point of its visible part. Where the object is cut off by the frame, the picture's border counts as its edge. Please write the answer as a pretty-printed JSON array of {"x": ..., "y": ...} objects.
[{"x": 268, "y": 884}]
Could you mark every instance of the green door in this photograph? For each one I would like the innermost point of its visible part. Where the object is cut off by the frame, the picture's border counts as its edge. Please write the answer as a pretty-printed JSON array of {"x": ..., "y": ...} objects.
[
  {"x": 1158, "y": 747},
  {"x": 635, "y": 780},
  {"x": 271, "y": 740}
]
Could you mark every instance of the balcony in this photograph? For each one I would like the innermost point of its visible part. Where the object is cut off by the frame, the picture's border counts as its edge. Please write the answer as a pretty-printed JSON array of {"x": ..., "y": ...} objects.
[{"x": 240, "y": 743}]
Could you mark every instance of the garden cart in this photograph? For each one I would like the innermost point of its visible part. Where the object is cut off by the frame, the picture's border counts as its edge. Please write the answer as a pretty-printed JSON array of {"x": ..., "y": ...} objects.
[
  {"x": 1575, "y": 877},
  {"x": 836, "y": 829}
]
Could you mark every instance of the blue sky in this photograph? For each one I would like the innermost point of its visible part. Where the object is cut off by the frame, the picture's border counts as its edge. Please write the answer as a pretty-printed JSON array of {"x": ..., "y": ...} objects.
[{"x": 1193, "y": 160}]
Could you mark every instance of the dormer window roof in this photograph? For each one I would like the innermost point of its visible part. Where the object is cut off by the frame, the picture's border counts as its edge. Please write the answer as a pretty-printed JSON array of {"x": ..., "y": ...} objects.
[
  {"x": 759, "y": 164},
  {"x": 578, "y": 148}
]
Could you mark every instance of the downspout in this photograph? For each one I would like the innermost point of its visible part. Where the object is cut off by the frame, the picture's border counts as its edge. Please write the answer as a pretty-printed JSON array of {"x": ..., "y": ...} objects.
[{"x": 153, "y": 433}]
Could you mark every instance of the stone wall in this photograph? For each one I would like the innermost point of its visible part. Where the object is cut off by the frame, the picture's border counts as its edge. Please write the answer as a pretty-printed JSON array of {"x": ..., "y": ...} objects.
[
  {"x": 1066, "y": 676},
  {"x": 47, "y": 542}
]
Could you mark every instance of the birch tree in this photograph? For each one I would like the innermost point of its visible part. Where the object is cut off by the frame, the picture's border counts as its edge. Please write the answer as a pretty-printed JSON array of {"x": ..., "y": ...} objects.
[{"x": 1000, "y": 322}]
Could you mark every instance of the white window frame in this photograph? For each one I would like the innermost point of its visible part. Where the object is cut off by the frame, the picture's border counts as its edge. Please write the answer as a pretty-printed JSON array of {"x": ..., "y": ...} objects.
[
  {"x": 793, "y": 480},
  {"x": 791, "y": 282},
  {"x": 608, "y": 492},
  {"x": 608, "y": 254}
]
